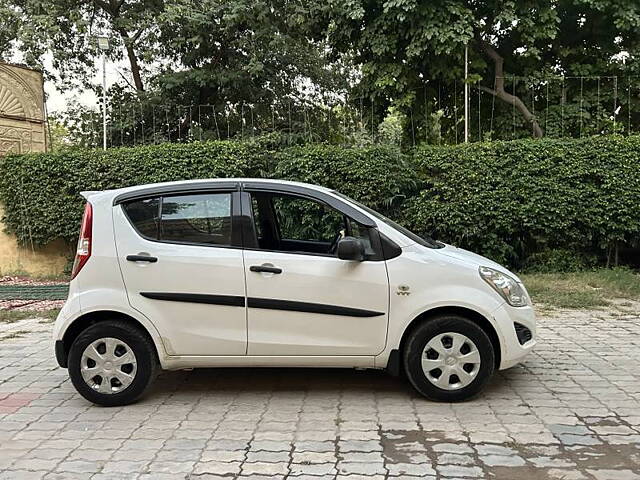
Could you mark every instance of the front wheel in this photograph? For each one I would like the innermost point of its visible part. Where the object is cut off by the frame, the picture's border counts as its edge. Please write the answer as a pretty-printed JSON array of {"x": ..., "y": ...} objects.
[
  {"x": 112, "y": 363},
  {"x": 449, "y": 358}
]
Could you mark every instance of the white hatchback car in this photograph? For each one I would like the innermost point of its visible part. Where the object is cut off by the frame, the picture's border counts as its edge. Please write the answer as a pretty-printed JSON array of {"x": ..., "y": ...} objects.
[{"x": 249, "y": 272}]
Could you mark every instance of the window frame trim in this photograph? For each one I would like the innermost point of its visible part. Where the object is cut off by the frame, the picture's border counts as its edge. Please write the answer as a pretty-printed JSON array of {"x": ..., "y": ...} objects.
[
  {"x": 323, "y": 197},
  {"x": 168, "y": 189}
]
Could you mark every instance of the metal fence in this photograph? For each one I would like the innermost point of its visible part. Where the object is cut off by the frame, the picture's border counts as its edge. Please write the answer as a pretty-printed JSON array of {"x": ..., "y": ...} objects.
[{"x": 561, "y": 106}]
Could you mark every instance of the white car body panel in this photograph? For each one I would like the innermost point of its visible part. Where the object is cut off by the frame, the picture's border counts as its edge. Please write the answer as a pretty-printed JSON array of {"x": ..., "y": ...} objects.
[
  {"x": 186, "y": 328},
  {"x": 317, "y": 280},
  {"x": 100, "y": 288},
  {"x": 435, "y": 278}
]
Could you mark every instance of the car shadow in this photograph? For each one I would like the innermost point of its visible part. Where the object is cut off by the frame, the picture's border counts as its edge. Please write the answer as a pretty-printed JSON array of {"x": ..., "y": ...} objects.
[{"x": 315, "y": 381}]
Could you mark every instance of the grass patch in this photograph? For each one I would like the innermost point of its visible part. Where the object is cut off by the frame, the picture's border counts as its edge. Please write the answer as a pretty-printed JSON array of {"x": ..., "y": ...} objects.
[
  {"x": 589, "y": 289},
  {"x": 16, "y": 334},
  {"x": 12, "y": 316},
  {"x": 54, "y": 277}
]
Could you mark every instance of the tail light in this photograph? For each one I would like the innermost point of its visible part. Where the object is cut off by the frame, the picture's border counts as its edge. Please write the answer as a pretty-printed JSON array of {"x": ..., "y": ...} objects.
[{"x": 83, "y": 252}]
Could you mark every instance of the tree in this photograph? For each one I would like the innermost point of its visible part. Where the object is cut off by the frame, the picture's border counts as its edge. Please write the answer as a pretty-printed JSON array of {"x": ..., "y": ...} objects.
[
  {"x": 9, "y": 30},
  {"x": 251, "y": 51},
  {"x": 233, "y": 57},
  {"x": 66, "y": 29},
  {"x": 402, "y": 45}
]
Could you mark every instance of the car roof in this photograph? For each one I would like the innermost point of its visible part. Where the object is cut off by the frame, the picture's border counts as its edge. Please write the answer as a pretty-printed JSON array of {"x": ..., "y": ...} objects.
[{"x": 180, "y": 183}]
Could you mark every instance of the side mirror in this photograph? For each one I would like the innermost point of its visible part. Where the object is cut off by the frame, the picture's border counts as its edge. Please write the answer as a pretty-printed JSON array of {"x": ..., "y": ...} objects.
[{"x": 350, "y": 248}]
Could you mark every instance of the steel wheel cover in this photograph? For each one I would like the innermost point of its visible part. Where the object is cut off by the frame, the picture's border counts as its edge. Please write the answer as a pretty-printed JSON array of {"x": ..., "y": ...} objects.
[
  {"x": 108, "y": 365},
  {"x": 450, "y": 361}
]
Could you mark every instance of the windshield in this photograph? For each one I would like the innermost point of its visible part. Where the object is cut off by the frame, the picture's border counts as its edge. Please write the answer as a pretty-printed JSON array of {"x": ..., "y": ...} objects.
[{"x": 425, "y": 241}]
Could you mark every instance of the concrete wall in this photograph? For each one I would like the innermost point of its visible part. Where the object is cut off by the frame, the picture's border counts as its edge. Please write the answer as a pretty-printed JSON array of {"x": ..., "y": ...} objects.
[
  {"x": 38, "y": 262},
  {"x": 22, "y": 117},
  {"x": 23, "y": 130}
]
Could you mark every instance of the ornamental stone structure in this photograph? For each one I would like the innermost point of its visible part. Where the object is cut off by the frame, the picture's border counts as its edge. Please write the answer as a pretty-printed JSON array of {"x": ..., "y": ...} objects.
[
  {"x": 23, "y": 130},
  {"x": 22, "y": 117}
]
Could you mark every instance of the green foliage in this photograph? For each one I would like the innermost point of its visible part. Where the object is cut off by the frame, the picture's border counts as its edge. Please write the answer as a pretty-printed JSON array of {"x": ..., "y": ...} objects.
[
  {"x": 508, "y": 200},
  {"x": 538, "y": 205},
  {"x": 379, "y": 177},
  {"x": 236, "y": 58},
  {"x": 558, "y": 260},
  {"x": 252, "y": 51},
  {"x": 390, "y": 130},
  {"x": 412, "y": 56},
  {"x": 40, "y": 192},
  {"x": 59, "y": 135}
]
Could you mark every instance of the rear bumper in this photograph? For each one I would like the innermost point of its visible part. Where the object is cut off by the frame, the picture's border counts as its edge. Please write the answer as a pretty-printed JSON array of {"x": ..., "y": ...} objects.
[
  {"x": 513, "y": 352},
  {"x": 61, "y": 354},
  {"x": 58, "y": 333}
]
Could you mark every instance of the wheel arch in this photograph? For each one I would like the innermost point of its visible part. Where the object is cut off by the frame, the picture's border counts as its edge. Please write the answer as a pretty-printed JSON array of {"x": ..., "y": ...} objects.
[
  {"x": 476, "y": 317},
  {"x": 80, "y": 324}
]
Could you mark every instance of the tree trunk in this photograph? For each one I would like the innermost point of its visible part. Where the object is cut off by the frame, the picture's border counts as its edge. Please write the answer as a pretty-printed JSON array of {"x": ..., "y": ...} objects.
[
  {"x": 502, "y": 94},
  {"x": 112, "y": 8},
  {"x": 133, "y": 60}
]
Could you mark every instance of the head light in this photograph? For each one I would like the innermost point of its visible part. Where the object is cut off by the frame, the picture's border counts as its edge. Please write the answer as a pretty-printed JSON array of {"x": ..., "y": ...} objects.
[{"x": 508, "y": 288}]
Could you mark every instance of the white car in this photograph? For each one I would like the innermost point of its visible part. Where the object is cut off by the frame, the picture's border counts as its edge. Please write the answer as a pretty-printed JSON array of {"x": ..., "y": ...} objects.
[{"x": 250, "y": 272}]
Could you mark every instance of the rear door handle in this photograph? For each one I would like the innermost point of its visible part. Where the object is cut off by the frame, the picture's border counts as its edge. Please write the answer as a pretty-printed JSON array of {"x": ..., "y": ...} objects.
[
  {"x": 264, "y": 269},
  {"x": 141, "y": 258}
]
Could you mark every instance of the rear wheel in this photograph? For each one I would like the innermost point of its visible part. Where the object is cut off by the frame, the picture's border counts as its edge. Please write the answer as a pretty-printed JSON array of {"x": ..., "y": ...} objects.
[
  {"x": 449, "y": 358},
  {"x": 112, "y": 363}
]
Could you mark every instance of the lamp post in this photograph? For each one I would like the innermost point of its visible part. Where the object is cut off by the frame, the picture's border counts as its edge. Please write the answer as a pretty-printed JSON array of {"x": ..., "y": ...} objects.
[
  {"x": 466, "y": 93},
  {"x": 103, "y": 44}
]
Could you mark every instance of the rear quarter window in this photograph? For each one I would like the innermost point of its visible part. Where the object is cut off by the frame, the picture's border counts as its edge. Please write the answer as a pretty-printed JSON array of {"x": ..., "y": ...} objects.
[{"x": 143, "y": 215}]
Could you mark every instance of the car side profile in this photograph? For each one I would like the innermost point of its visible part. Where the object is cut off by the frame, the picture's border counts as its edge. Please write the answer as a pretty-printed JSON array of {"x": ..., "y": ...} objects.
[{"x": 251, "y": 273}]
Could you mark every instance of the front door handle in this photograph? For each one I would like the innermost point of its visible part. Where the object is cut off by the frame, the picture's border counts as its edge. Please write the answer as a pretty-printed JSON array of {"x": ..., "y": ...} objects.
[
  {"x": 141, "y": 258},
  {"x": 265, "y": 269}
]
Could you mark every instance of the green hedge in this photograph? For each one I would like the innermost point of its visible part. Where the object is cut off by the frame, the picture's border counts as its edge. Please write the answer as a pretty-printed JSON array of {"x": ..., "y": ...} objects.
[
  {"x": 513, "y": 201},
  {"x": 510, "y": 200},
  {"x": 40, "y": 192},
  {"x": 380, "y": 177}
]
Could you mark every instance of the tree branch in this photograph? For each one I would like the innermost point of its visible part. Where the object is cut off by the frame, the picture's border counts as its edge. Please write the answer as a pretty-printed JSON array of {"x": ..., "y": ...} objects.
[
  {"x": 136, "y": 36},
  {"x": 500, "y": 91},
  {"x": 488, "y": 90},
  {"x": 107, "y": 7}
]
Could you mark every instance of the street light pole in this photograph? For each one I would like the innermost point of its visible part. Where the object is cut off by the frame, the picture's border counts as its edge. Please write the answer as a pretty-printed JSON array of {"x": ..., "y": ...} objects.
[
  {"x": 103, "y": 44},
  {"x": 104, "y": 101},
  {"x": 466, "y": 93}
]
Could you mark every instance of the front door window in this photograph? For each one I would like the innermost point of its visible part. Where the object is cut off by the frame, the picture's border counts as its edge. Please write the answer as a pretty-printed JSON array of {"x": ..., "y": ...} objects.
[{"x": 289, "y": 223}]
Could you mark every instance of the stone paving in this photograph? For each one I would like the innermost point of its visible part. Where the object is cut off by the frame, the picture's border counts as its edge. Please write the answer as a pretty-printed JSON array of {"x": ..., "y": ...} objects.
[{"x": 572, "y": 411}]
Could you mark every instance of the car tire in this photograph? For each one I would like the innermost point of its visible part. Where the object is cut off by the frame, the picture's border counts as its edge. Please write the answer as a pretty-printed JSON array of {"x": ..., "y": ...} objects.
[
  {"x": 112, "y": 363},
  {"x": 448, "y": 358}
]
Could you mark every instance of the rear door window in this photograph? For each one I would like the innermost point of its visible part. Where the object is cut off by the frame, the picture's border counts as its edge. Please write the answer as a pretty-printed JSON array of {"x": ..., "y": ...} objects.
[{"x": 203, "y": 219}]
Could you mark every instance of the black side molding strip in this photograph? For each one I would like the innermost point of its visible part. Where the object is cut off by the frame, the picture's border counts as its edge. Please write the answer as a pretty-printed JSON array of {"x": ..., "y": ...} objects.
[
  {"x": 230, "y": 300},
  {"x": 292, "y": 306},
  {"x": 266, "y": 303}
]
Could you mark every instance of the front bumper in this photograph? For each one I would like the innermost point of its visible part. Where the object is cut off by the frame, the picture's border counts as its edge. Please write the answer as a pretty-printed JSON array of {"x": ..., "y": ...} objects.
[{"x": 506, "y": 317}]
